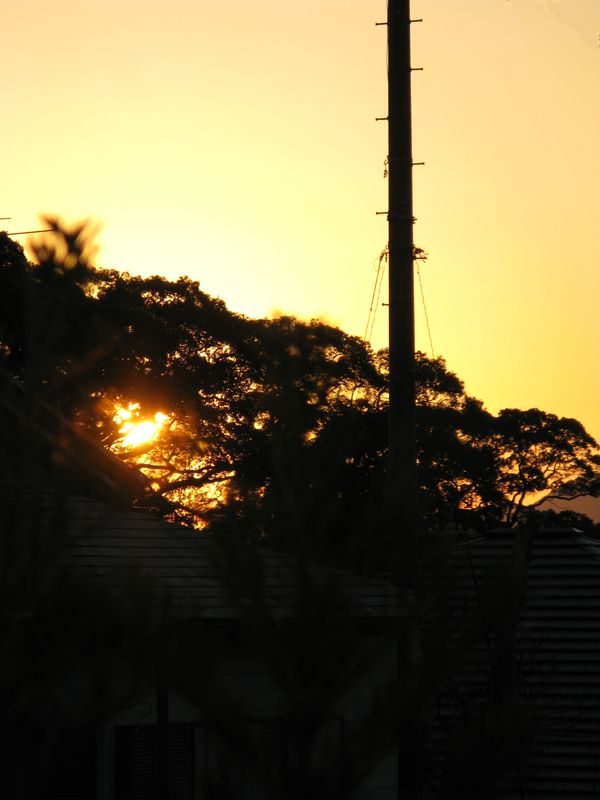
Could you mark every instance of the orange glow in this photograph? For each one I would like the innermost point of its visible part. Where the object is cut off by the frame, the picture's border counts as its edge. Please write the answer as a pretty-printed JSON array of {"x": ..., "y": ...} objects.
[
  {"x": 137, "y": 431},
  {"x": 267, "y": 165}
]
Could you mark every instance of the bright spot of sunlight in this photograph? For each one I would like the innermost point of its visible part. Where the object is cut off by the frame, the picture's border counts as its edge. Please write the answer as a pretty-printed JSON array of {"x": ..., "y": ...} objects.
[{"x": 137, "y": 431}]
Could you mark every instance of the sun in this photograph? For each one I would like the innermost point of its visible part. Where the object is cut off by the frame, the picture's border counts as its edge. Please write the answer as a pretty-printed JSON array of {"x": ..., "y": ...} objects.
[{"x": 137, "y": 431}]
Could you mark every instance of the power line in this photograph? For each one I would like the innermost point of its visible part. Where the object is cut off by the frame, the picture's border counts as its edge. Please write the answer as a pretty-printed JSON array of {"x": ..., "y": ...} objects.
[
  {"x": 381, "y": 261},
  {"x": 22, "y": 233},
  {"x": 382, "y": 273},
  {"x": 424, "y": 306}
]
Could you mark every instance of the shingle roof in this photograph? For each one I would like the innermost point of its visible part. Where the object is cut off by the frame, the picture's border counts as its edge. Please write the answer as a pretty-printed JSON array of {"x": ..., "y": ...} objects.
[
  {"x": 185, "y": 573},
  {"x": 66, "y": 447},
  {"x": 557, "y": 647}
]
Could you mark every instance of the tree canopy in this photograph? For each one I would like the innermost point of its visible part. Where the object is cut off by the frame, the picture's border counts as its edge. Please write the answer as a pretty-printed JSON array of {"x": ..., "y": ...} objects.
[{"x": 275, "y": 428}]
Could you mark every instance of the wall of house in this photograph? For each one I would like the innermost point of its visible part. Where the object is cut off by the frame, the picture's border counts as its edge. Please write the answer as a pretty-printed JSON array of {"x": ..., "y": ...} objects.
[{"x": 251, "y": 693}]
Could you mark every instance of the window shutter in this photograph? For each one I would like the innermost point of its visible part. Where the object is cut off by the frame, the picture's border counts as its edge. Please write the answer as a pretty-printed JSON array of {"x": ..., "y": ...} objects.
[{"x": 136, "y": 762}]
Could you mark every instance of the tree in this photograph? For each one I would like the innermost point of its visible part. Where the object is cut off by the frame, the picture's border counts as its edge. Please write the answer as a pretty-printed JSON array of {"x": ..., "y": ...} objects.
[
  {"x": 73, "y": 653},
  {"x": 64, "y": 648},
  {"x": 277, "y": 431},
  {"x": 267, "y": 420},
  {"x": 543, "y": 457}
]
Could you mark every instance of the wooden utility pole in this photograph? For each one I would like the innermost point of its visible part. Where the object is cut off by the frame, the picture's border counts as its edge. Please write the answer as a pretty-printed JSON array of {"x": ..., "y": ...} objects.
[
  {"x": 403, "y": 486},
  {"x": 402, "y": 418}
]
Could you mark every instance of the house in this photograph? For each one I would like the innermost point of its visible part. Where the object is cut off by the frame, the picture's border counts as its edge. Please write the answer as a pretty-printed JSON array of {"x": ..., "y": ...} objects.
[
  {"x": 523, "y": 703},
  {"x": 147, "y": 660},
  {"x": 236, "y": 653}
]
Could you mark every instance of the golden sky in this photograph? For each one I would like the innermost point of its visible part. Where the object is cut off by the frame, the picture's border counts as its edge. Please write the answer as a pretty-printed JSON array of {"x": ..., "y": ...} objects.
[{"x": 235, "y": 142}]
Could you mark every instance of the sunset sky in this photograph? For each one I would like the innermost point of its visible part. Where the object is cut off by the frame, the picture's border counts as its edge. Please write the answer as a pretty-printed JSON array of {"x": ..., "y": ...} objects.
[{"x": 235, "y": 142}]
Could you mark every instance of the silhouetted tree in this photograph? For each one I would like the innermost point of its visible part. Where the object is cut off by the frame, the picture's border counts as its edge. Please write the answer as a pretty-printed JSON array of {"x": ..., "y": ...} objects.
[
  {"x": 270, "y": 420},
  {"x": 543, "y": 457},
  {"x": 277, "y": 433},
  {"x": 64, "y": 650}
]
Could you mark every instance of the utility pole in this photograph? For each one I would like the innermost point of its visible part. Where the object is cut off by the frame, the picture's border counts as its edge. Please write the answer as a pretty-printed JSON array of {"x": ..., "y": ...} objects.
[
  {"x": 402, "y": 417},
  {"x": 403, "y": 485}
]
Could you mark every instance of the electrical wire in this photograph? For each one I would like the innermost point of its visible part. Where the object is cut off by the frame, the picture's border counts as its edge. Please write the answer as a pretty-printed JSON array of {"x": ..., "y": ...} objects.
[
  {"x": 376, "y": 294},
  {"x": 425, "y": 307}
]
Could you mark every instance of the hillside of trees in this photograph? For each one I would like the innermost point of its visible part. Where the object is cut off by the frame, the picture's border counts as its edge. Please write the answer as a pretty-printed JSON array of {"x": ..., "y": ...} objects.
[{"x": 275, "y": 428}]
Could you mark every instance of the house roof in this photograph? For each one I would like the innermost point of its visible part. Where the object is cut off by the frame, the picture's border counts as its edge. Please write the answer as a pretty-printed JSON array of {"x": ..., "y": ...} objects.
[
  {"x": 182, "y": 573},
  {"x": 552, "y": 582},
  {"x": 188, "y": 574},
  {"x": 63, "y": 446}
]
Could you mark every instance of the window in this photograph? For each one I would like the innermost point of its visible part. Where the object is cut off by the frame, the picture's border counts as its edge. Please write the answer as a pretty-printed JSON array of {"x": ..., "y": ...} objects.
[
  {"x": 267, "y": 753},
  {"x": 137, "y": 762}
]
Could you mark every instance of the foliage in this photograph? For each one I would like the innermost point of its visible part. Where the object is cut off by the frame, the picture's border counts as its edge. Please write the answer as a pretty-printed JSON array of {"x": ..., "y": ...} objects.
[
  {"x": 276, "y": 427},
  {"x": 543, "y": 453}
]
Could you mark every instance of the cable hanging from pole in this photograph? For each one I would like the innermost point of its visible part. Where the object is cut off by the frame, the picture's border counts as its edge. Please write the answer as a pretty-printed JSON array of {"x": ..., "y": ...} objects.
[
  {"x": 421, "y": 255},
  {"x": 376, "y": 294}
]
